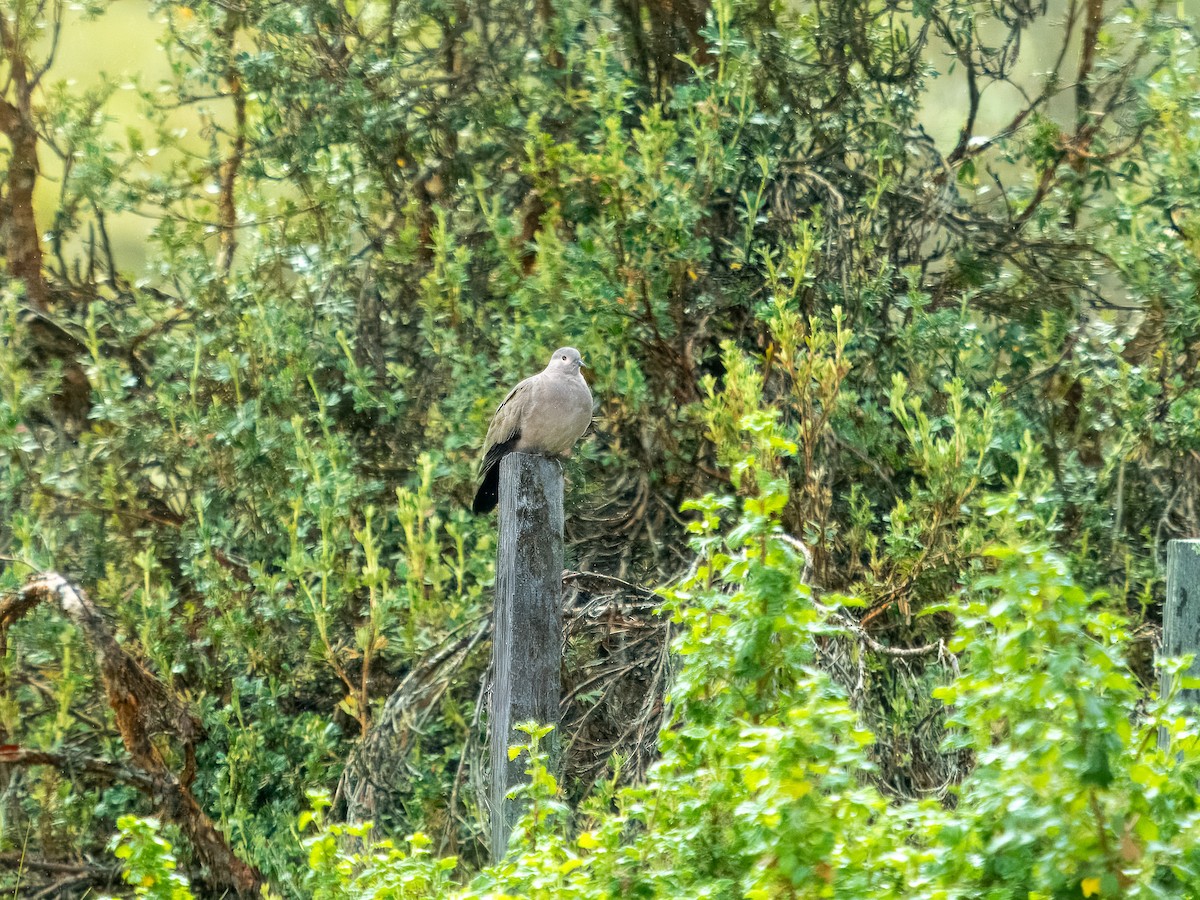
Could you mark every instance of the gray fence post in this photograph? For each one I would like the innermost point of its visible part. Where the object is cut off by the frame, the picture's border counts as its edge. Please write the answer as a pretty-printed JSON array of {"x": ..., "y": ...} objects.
[
  {"x": 527, "y": 649},
  {"x": 1181, "y": 613}
]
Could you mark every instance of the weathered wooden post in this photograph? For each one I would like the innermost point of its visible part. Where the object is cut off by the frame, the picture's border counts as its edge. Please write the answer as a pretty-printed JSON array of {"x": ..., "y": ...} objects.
[
  {"x": 1181, "y": 614},
  {"x": 527, "y": 649}
]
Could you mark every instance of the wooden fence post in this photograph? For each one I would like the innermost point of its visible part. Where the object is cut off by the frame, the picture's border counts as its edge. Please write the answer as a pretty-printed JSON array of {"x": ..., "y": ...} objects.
[
  {"x": 527, "y": 648},
  {"x": 1181, "y": 614}
]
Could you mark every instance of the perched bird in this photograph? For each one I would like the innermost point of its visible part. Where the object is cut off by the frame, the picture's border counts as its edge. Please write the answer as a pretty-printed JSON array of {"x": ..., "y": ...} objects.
[{"x": 546, "y": 414}]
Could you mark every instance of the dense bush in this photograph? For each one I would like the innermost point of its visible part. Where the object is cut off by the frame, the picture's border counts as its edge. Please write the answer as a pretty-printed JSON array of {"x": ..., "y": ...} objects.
[
  {"x": 760, "y": 792},
  {"x": 804, "y": 294}
]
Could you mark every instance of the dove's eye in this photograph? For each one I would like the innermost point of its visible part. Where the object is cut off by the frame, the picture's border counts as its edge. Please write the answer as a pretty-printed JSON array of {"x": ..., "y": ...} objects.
[{"x": 564, "y": 359}]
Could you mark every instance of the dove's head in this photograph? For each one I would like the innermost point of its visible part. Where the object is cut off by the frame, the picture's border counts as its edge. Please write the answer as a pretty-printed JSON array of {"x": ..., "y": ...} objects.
[{"x": 565, "y": 359}]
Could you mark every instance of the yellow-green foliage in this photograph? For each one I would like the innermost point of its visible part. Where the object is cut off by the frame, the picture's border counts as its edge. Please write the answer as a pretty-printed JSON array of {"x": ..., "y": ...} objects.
[{"x": 851, "y": 303}]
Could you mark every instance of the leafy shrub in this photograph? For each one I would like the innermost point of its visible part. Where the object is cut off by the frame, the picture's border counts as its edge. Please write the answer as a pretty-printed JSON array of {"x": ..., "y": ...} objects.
[
  {"x": 148, "y": 863},
  {"x": 762, "y": 788},
  {"x": 806, "y": 297}
]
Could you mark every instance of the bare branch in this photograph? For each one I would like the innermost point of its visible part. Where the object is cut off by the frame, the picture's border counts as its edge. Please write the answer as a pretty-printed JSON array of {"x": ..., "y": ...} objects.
[
  {"x": 55, "y": 34},
  {"x": 1087, "y": 57},
  {"x": 102, "y": 769},
  {"x": 226, "y": 204},
  {"x": 143, "y": 707}
]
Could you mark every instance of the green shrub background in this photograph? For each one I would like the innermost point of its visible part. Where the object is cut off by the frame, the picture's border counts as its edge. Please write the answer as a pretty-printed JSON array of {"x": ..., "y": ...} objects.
[{"x": 898, "y": 282}]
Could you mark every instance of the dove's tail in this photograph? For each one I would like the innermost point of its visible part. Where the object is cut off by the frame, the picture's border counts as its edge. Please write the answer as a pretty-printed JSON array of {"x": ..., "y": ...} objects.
[{"x": 488, "y": 494}]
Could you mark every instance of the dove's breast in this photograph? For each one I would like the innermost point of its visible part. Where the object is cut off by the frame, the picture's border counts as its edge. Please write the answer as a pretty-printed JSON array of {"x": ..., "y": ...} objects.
[{"x": 557, "y": 414}]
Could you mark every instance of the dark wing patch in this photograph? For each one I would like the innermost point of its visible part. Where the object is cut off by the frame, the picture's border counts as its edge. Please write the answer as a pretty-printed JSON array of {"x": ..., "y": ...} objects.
[
  {"x": 488, "y": 494},
  {"x": 502, "y": 436},
  {"x": 496, "y": 452}
]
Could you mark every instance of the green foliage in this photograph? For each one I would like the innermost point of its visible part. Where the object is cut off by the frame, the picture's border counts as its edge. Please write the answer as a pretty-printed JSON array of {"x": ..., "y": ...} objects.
[
  {"x": 147, "y": 861},
  {"x": 820, "y": 286},
  {"x": 1069, "y": 787},
  {"x": 379, "y": 870},
  {"x": 760, "y": 791}
]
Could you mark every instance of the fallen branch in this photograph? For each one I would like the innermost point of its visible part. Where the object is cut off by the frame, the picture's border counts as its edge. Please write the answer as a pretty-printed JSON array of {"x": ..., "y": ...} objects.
[
  {"x": 103, "y": 769},
  {"x": 611, "y": 700},
  {"x": 375, "y": 768},
  {"x": 17, "y": 861},
  {"x": 595, "y": 581},
  {"x": 143, "y": 708},
  {"x": 613, "y": 694},
  {"x": 63, "y": 886},
  {"x": 860, "y": 634},
  {"x": 14, "y": 606},
  {"x": 58, "y": 879}
]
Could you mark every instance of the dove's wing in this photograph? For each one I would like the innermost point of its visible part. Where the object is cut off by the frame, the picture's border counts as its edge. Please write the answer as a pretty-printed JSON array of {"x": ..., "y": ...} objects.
[{"x": 502, "y": 436}]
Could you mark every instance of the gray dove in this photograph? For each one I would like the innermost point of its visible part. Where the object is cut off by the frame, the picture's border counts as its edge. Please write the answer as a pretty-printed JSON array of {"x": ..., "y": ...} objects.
[{"x": 544, "y": 414}]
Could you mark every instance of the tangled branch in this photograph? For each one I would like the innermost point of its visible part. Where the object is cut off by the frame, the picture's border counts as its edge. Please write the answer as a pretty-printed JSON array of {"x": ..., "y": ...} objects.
[{"x": 143, "y": 708}]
